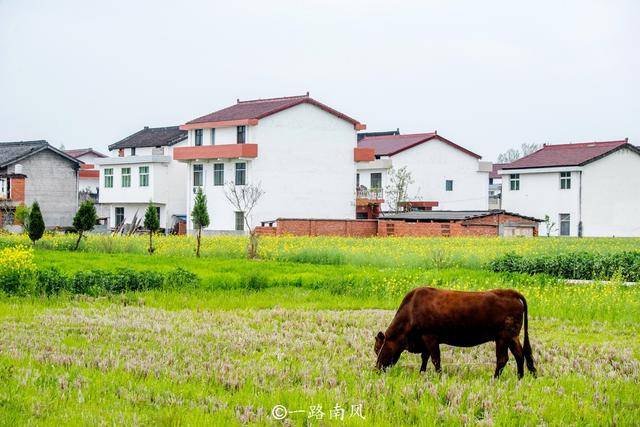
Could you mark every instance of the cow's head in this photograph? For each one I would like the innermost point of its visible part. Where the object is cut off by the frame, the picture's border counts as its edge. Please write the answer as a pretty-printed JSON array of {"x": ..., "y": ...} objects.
[{"x": 388, "y": 351}]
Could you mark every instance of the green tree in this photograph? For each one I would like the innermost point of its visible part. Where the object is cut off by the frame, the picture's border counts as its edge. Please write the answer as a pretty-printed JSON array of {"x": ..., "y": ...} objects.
[
  {"x": 35, "y": 223},
  {"x": 84, "y": 220},
  {"x": 151, "y": 223},
  {"x": 200, "y": 216}
]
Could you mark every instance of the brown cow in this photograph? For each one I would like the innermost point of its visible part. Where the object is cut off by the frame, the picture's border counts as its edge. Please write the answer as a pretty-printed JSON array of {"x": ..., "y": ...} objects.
[{"x": 428, "y": 317}]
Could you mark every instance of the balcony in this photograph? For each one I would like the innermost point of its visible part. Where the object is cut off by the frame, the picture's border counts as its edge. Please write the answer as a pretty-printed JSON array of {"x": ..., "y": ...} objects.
[
  {"x": 225, "y": 151},
  {"x": 364, "y": 154},
  {"x": 366, "y": 196}
]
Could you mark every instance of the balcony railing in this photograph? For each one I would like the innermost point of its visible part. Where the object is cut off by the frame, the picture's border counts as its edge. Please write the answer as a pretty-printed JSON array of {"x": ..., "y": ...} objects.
[{"x": 369, "y": 193}]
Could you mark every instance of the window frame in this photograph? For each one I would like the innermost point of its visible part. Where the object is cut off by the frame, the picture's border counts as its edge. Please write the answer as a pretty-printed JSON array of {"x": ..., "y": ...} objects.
[
  {"x": 197, "y": 140},
  {"x": 132, "y": 152},
  {"x": 377, "y": 174},
  {"x": 448, "y": 187},
  {"x": 115, "y": 216},
  {"x": 212, "y": 136},
  {"x": 142, "y": 174},
  {"x": 241, "y": 134},
  {"x": 565, "y": 180},
  {"x": 241, "y": 170},
  {"x": 124, "y": 175},
  {"x": 564, "y": 221},
  {"x": 108, "y": 178},
  {"x": 514, "y": 182},
  {"x": 218, "y": 174},
  {"x": 193, "y": 175},
  {"x": 239, "y": 221}
]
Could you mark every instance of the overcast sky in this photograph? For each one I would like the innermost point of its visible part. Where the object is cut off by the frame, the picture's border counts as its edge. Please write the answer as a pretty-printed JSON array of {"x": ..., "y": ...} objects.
[{"x": 488, "y": 75}]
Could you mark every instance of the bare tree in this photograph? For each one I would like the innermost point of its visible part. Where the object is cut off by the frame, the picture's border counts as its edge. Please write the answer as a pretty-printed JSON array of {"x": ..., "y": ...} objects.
[
  {"x": 244, "y": 198},
  {"x": 513, "y": 154},
  {"x": 397, "y": 192},
  {"x": 551, "y": 226}
]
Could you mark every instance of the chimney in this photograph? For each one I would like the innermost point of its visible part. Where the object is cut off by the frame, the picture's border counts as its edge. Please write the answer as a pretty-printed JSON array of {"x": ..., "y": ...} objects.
[{"x": 146, "y": 127}]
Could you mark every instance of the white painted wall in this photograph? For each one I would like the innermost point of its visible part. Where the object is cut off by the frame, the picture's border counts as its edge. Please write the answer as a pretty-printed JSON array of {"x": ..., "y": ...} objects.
[
  {"x": 431, "y": 164},
  {"x": 305, "y": 166},
  {"x": 166, "y": 189},
  {"x": 610, "y": 196}
]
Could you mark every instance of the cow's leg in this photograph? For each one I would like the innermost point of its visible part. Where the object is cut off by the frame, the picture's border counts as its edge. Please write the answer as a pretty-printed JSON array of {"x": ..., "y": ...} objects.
[
  {"x": 435, "y": 357},
  {"x": 433, "y": 349},
  {"x": 425, "y": 359},
  {"x": 516, "y": 350},
  {"x": 502, "y": 356}
]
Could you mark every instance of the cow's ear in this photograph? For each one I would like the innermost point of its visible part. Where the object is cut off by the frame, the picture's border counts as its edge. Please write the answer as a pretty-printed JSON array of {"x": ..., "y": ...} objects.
[{"x": 380, "y": 336}]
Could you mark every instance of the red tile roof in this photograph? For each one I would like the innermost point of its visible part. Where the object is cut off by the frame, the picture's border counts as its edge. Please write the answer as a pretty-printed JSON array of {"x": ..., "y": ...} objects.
[
  {"x": 259, "y": 108},
  {"x": 388, "y": 145},
  {"x": 494, "y": 170},
  {"x": 568, "y": 154},
  {"x": 75, "y": 153}
]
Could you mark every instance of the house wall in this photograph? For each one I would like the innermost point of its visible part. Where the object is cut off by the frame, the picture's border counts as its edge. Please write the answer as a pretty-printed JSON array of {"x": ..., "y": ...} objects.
[
  {"x": 52, "y": 180},
  {"x": 166, "y": 186},
  {"x": 540, "y": 195},
  {"x": 431, "y": 164},
  {"x": 304, "y": 165},
  {"x": 611, "y": 196}
]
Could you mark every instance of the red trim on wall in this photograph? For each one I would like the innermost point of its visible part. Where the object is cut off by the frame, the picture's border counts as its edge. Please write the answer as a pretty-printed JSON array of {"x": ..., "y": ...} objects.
[
  {"x": 226, "y": 123},
  {"x": 225, "y": 151},
  {"x": 364, "y": 154}
]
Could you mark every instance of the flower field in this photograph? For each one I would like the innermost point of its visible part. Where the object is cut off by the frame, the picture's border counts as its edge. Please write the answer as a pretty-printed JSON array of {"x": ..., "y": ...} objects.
[{"x": 295, "y": 331}]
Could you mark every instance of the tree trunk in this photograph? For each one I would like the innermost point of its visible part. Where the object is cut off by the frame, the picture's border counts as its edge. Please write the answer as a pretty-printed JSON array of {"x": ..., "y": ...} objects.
[
  {"x": 78, "y": 241},
  {"x": 150, "y": 242},
  {"x": 252, "y": 248},
  {"x": 198, "y": 245}
]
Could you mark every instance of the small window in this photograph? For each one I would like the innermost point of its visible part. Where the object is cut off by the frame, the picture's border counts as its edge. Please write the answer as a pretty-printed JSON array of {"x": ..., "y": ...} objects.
[
  {"x": 126, "y": 177},
  {"x": 108, "y": 178},
  {"x": 376, "y": 180},
  {"x": 565, "y": 224},
  {"x": 144, "y": 176},
  {"x": 514, "y": 181},
  {"x": 198, "y": 172},
  {"x": 119, "y": 216},
  {"x": 218, "y": 174},
  {"x": 133, "y": 151},
  {"x": 239, "y": 221},
  {"x": 198, "y": 141},
  {"x": 565, "y": 180},
  {"x": 213, "y": 136},
  {"x": 241, "y": 173},
  {"x": 242, "y": 134},
  {"x": 357, "y": 180},
  {"x": 448, "y": 185},
  {"x": 121, "y": 152}
]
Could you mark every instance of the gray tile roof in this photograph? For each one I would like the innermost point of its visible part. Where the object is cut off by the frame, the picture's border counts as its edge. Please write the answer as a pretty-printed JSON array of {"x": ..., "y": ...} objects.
[
  {"x": 445, "y": 215},
  {"x": 152, "y": 137},
  {"x": 12, "y": 152}
]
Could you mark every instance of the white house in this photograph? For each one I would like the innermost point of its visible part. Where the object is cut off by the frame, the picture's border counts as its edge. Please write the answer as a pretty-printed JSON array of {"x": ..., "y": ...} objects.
[
  {"x": 446, "y": 176},
  {"x": 141, "y": 169},
  {"x": 300, "y": 152},
  {"x": 89, "y": 174},
  {"x": 587, "y": 189}
]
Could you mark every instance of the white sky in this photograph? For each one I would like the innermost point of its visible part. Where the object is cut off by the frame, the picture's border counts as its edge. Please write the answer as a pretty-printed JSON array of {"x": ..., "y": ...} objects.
[{"x": 488, "y": 75}]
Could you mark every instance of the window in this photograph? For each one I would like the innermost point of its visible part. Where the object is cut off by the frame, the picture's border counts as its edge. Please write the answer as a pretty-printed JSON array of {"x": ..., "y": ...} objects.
[
  {"x": 448, "y": 185},
  {"x": 218, "y": 174},
  {"x": 121, "y": 152},
  {"x": 565, "y": 180},
  {"x": 126, "y": 177},
  {"x": 198, "y": 141},
  {"x": 144, "y": 176},
  {"x": 242, "y": 134},
  {"x": 119, "y": 216},
  {"x": 3, "y": 188},
  {"x": 213, "y": 136},
  {"x": 514, "y": 181},
  {"x": 239, "y": 221},
  {"x": 565, "y": 224},
  {"x": 198, "y": 172},
  {"x": 158, "y": 212},
  {"x": 108, "y": 178},
  {"x": 357, "y": 180},
  {"x": 241, "y": 173},
  {"x": 133, "y": 151},
  {"x": 376, "y": 180}
]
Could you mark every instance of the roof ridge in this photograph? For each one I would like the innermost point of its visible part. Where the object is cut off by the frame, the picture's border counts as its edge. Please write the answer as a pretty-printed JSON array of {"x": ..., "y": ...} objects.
[
  {"x": 583, "y": 144},
  {"x": 282, "y": 98},
  {"x": 33, "y": 142},
  {"x": 400, "y": 136}
]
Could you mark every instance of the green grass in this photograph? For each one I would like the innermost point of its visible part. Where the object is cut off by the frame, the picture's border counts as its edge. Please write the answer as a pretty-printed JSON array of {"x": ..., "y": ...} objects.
[{"x": 255, "y": 334}]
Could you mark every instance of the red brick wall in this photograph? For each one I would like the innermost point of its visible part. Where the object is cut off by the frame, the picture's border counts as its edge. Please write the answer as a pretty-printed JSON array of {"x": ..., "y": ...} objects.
[
  {"x": 322, "y": 227},
  {"x": 16, "y": 185}
]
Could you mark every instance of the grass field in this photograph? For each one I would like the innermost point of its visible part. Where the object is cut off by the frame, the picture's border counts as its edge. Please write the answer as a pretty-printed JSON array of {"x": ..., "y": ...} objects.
[{"x": 299, "y": 333}]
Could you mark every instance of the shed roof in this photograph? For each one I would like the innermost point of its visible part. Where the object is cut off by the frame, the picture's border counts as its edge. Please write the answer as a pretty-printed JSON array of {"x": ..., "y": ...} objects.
[{"x": 152, "y": 137}]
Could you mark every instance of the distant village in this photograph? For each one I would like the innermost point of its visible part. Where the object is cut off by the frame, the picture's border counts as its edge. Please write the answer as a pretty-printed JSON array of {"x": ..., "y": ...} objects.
[{"x": 321, "y": 173}]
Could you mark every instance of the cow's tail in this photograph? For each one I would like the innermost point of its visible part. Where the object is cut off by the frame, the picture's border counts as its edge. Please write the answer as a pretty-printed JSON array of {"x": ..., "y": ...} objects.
[{"x": 528, "y": 355}]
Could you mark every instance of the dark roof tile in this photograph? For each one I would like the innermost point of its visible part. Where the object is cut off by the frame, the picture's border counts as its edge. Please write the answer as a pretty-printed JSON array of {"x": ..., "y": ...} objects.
[{"x": 152, "y": 137}]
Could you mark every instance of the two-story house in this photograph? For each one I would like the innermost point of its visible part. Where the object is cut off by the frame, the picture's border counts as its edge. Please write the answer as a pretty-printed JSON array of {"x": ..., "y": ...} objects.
[
  {"x": 300, "y": 152},
  {"x": 586, "y": 189},
  {"x": 35, "y": 171},
  {"x": 141, "y": 169},
  {"x": 445, "y": 175}
]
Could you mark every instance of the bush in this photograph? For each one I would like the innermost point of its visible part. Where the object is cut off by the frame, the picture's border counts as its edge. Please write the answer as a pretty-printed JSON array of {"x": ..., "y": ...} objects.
[
  {"x": 52, "y": 281},
  {"x": 573, "y": 265},
  {"x": 17, "y": 270}
]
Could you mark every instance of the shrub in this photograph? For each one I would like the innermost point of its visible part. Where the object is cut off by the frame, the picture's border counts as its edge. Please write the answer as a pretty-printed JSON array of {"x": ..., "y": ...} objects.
[
  {"x": 17, "y": 270},
  {"x": 180, "y": 278},
  {"x": 52, "y": 281}
]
